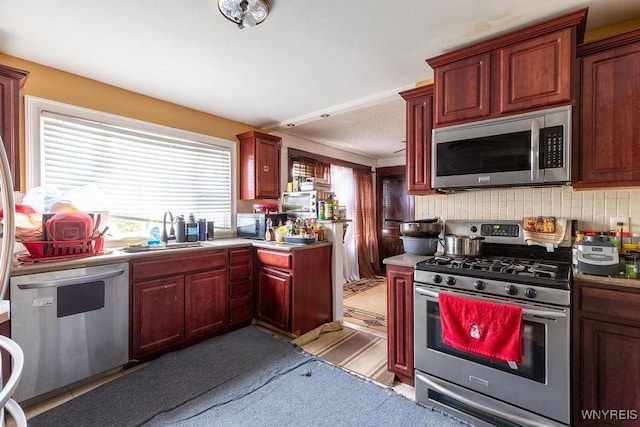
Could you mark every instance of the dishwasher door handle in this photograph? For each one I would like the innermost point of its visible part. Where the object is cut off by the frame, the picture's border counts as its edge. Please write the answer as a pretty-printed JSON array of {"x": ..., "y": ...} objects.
[{"x": 72, "y": 280}]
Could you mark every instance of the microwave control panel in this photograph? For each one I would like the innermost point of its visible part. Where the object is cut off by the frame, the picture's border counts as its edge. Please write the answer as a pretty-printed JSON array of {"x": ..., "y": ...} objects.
[{"x": 553, "y": 147}]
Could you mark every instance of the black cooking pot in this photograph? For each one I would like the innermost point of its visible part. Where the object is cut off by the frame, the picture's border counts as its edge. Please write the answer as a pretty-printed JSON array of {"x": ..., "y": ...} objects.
[{"x": 420, "y": 228}]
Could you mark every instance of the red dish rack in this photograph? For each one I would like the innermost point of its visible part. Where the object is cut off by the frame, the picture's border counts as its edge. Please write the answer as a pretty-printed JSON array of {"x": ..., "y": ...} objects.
[{"x": 50, "y": 249}]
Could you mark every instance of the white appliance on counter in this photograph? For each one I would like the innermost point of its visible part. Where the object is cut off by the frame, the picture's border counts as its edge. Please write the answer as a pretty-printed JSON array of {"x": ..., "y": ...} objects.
[
  {"x": 6, "y": 255},
  {"x": 72, "y": 325}
]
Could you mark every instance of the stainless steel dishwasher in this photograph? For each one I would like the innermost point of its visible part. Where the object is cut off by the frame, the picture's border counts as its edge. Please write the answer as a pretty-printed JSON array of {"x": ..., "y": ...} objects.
[{"x": 71, "y": 324}]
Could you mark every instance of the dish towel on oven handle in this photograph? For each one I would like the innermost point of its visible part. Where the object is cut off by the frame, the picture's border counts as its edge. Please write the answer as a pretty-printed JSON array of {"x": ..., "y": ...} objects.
[{"x": 484, "y": 328}]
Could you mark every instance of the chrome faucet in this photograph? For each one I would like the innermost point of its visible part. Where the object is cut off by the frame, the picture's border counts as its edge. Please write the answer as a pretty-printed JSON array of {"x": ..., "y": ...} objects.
[{"x": 172, "y": 233}]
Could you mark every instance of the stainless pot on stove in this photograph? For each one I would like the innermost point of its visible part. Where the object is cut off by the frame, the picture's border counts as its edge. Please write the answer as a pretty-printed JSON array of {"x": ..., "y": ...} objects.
[
  {"x": 455, "y": 245},
  {"x": 420, "y": 228}
]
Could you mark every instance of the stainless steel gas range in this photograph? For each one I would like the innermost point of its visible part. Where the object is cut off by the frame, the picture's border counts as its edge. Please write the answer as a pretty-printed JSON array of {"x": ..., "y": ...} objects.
[{"x": 535, "y": 392}]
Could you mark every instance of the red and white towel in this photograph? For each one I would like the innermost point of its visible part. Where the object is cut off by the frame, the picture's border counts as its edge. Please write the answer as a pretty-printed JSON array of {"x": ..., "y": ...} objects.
[{"x": 484, "y": 328}]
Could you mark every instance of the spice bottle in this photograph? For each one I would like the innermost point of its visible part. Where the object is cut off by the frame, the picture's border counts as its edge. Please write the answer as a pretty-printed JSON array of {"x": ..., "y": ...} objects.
[
  {"x": 631, "y": 266},
  {"x": 328, "y": 207}
]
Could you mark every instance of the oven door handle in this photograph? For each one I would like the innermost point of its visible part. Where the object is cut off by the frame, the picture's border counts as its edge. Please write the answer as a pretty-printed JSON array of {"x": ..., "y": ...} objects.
[
  {"x": 525, "y": 311},
  {"x": 500, "y": 414},
  {"x": 72, "y": 280}
]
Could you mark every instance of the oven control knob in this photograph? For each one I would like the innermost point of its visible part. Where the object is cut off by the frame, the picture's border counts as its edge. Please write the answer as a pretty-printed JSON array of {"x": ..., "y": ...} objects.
[
  {"x": 530, "y": 293},
  {"x": 451, "y": 281},
  {"x": 437, "y": 278},
  {"x": 511, "y": 290},
  {"x": 479, "y": 285}
]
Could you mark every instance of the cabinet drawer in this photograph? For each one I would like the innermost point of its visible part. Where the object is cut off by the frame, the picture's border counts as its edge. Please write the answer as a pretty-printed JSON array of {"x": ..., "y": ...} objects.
[
  {"x": 611, "y": 303},
  {"x": 275, "y": 258},
  {"x": 239, "y": 272},
  {"x": 240, "y": 310},
  {"x": 242, "y": 287},
  {"x": 169, "y": 265},
  {"x": 239, "y": 256}
]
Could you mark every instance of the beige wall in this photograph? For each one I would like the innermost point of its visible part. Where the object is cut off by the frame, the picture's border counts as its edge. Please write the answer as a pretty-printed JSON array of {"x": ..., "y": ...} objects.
[{"x": 50, "y": 83}]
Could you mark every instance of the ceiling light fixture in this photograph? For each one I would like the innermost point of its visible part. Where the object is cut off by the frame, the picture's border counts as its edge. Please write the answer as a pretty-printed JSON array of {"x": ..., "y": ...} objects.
[
  {"x": 291, "y": 125},
  {"x": 324, "y": 116},
  {"x": 244, "y": 13}
]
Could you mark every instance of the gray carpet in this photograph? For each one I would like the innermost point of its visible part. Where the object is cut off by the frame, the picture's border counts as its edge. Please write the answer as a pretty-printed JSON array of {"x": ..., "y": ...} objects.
[{"x": 244, "y": 378}]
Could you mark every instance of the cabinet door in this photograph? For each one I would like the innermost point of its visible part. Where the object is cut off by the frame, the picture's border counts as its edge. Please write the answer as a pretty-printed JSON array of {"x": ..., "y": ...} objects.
[
  {"x": 610, "y": 370},
  {"x": 536, "y": 72},
  {"x": 610, "y": 125},
  {"x": 268, "y": 168},
  {"x": 206, "y": 302},
  {"x": 240, "y": 309},
  {"x": 400, "y": 331},
  {"x": 259, "y": 165},
  {"x": 158, "y": 314},
  {"x": 462, "y": 90},
  {"x": 11, "y": 80},
  {"x": 273, "y": 298},
  {"x": 419, "y": 124}
]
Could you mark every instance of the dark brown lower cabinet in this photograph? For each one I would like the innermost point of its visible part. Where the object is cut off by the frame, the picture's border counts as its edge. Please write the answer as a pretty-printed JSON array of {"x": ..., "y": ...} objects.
[
  {"x": 206, "y": 302},
  {"x": 177, "y": 300},
  {"x": 240, "y": 286},
  {"x": 400, "y": 322},
  {"x": 274, "y": 298},
  {"x": 293, "y": 288},
  {"x": 606, "y": 355},
  {"x": 158, "y": 315}
]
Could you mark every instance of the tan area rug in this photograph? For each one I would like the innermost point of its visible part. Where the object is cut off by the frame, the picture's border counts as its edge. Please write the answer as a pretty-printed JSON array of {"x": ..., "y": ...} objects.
[
  {"x": 356, "y": 351},
  {"x": 365, "y": 303},
  {"x": 358, "y": 286}
]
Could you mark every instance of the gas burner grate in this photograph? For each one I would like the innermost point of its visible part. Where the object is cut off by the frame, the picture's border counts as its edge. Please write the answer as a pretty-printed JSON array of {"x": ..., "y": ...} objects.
[{"x": 497, "y": 265}]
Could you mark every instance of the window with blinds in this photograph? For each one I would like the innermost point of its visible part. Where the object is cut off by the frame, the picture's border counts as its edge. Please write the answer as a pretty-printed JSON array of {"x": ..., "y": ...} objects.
[
  {"x": 303, "y": 167},
  {"x": 142, "y": 172}
]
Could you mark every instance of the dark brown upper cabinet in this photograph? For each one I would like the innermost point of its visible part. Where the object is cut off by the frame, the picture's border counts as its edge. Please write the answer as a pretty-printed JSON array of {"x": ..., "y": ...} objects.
[
  {"x": 521, "y": 71},
  {"x": 419, "y": 124},
  {"x": 259, "y": 165},
  {"x": 11, "y": 80},
  {"x": 608, "y": 154}
]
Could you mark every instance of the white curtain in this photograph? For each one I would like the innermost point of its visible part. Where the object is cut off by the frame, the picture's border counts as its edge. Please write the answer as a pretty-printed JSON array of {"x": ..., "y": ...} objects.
[{"x": 343, "y": 186}]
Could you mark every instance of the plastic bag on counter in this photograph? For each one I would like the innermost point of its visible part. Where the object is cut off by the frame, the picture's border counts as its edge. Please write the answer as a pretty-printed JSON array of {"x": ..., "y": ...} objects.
[
  {"x": 41, "y": 198},
  {"x": 88, "y": 198}
]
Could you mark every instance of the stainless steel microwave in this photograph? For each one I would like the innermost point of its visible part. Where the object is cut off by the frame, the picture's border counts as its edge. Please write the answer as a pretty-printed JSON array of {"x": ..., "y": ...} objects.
[{"x": 521, "y": 150}]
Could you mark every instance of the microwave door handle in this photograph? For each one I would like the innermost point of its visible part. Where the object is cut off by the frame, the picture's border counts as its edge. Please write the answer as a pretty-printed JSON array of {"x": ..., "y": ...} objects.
[{"x": 535, "y": 150}]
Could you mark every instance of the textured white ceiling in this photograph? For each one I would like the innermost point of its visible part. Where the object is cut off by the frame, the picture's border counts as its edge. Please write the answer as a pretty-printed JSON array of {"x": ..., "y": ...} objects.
[{"x": 345, "y": 58}]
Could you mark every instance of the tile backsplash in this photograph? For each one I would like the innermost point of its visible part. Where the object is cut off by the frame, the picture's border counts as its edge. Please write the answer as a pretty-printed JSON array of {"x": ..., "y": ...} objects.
[{"x": 592, "y": 209}]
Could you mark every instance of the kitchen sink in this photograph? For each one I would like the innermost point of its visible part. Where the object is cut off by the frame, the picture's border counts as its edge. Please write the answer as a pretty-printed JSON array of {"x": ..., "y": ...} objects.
[{"x": 162, "y": 247}]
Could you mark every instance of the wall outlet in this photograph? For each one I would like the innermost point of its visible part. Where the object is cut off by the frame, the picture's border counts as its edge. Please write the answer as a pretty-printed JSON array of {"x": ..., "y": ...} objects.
[{"x": 614, "y": 220}]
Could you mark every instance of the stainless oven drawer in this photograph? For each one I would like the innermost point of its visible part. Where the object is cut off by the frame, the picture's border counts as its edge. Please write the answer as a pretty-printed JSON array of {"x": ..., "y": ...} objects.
[{"x": 540, "y": 383}]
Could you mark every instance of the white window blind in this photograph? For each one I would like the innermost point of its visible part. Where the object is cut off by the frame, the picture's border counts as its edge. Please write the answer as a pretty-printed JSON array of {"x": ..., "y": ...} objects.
[{"x": 143, "y": 174}]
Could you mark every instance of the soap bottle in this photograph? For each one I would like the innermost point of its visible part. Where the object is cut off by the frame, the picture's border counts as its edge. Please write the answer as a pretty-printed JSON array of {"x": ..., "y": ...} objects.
[
  {"x": 154, "y": 233},
  {"x": 192, "y": 229}
]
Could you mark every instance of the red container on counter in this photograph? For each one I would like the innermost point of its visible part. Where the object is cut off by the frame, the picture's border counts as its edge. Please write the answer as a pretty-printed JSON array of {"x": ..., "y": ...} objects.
[
  {"x": 73, "y": 225},
  {"x": 265, "y": 208}
]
